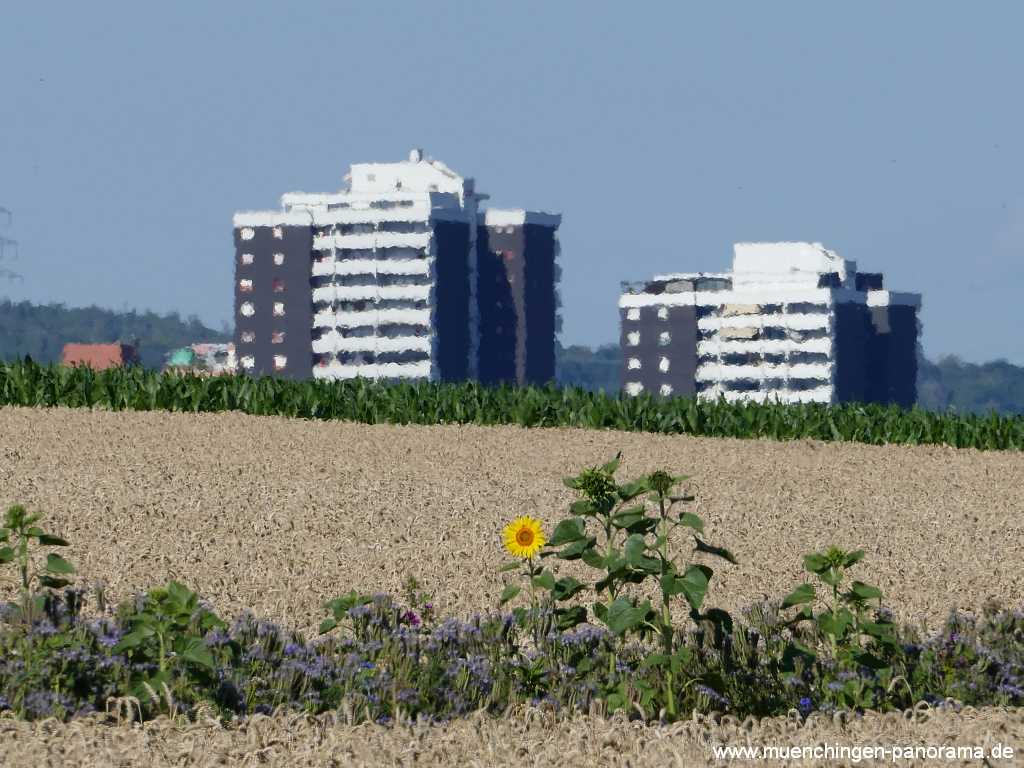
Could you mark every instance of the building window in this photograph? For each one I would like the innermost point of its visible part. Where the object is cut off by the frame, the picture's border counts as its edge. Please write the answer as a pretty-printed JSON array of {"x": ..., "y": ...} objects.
[
  {"x": 248, "y": 337},
  {"x": 278, "y": 309},
  {"x": 279, "y": 259},
  {"x": 663, "y": 365},
  {"x": 278, "y": 233},
  {"x": 248, "y": 362},
  {"x": 277, "y": 285},
  {"x": 633, "y": 338},
  {"x": 245, "y": 286},
  {"x": 247, "y": 309},
  {"x": 634, "y": 363},
  {"x": 664, "y": 338},
  {"x": 248, "y": 233},
  {"x": 277, "y": 337},
  {"x": 371, "y": 177},
  {"x": 247, "y": 258},
  {"x": 663, "y": 313},
  {"x": 280, "y": 361},
  {"x": 633, "y": 313},
  {"x": 634, "y": 388},
  {"x": 666, "y": 390}
]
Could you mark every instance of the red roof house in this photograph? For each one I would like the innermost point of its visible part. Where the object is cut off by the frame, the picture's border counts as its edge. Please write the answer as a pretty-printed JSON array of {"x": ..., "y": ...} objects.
[{"x": 99, "y": 356}]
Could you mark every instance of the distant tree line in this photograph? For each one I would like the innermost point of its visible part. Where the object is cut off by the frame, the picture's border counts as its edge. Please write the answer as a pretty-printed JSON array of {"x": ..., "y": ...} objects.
[
  {"x": 40, "y": 331},
  {"x": 970, "y": 388},
  {"x": 594, "y": 369}
]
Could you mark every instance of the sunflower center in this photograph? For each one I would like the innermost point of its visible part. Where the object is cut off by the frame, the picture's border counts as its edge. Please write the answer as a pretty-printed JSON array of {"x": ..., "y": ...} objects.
[{"x": 524, "y": 537}]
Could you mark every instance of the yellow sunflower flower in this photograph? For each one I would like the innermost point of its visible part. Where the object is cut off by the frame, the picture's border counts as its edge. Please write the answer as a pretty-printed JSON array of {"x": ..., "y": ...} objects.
[{"x": 524, "y": 537}]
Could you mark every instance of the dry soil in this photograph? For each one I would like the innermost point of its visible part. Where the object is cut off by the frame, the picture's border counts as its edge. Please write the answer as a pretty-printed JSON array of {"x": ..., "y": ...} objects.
[{"x": 280, "y": 515}]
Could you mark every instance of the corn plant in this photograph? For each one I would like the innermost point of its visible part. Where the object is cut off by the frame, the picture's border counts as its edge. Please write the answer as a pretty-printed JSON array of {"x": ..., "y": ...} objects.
[{"x": 25, "y": 383}]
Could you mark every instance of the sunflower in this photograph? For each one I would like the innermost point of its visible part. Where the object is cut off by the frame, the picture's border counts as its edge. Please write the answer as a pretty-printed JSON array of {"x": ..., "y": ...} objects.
[{"x": 524, "y": 537}]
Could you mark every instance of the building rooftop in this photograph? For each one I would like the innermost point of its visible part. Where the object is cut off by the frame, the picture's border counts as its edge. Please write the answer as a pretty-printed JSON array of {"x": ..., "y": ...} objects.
[
  {"x": 99, "y": 356},
  {"x": 787, "y": 271},
  {"x": 408, "y": 190},
  {"x": 789, "y": 263},
  {"x": 417, "y": 176},
  {"x": 513, "y": 217}
]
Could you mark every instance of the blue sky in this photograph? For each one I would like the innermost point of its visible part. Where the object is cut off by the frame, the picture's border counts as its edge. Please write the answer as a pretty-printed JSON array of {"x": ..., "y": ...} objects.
[{"x": 663, "y": 132}]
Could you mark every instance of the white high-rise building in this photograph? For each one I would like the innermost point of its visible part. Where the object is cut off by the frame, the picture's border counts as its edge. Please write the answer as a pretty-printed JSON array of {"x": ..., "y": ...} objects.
[
  {"x": 792, "y": 322},
  {"x": 380, "y": 280}
]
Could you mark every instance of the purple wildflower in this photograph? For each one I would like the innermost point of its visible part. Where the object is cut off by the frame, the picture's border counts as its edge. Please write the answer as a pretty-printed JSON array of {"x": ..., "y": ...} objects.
[
  {"x": 216, "y": 637},
  {"x": 44, "y": 627},
  {"x": 714, "y": 696}
]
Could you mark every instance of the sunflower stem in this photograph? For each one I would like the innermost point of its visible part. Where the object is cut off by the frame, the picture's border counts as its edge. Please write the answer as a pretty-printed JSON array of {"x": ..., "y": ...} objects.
[{"x": 533, "y": 604}]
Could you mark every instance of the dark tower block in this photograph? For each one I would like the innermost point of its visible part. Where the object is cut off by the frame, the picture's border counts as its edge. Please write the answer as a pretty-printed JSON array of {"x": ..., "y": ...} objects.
[
  {"x": 517, "y": 273},
  {"x": 452, "y": 299},
  {"x": 541, "y": 302},
  {"x": 273, "y": 307},
  {"x": 892, "y": 354},
  {"x": 659, "y": 337},
  {"x": 851, "y": 352},
  {"x": 498, "y": 323}
]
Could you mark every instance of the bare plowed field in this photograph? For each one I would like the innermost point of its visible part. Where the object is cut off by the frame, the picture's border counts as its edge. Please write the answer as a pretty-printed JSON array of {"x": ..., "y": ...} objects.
[{"x": 280, "y": 515}]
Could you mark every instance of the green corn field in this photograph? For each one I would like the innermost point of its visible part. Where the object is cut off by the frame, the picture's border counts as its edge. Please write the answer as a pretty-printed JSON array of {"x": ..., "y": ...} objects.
[{"x": 26, "y": 383}]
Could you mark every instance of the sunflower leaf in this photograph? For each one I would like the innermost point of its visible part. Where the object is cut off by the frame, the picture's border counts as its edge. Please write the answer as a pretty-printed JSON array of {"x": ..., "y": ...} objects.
[
  {"x": 576, "y": 549},
  {"x": 572, "y": 529},
  {"x": 545, "y": 580}
]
